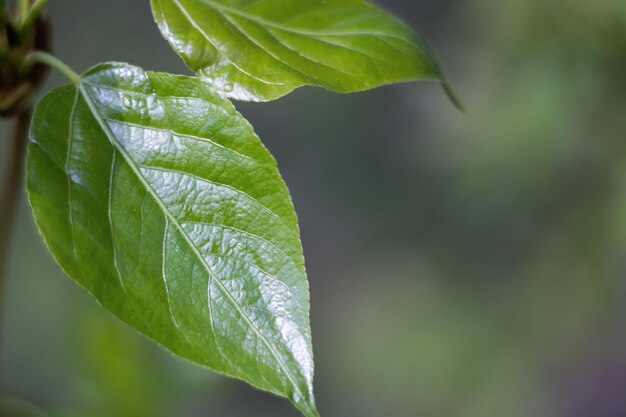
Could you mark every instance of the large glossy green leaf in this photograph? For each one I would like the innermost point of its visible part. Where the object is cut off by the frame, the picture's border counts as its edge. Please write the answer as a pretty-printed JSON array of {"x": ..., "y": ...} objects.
[
  {"x": 263, "y": 49},
  {"x": 155, "y": 195}
]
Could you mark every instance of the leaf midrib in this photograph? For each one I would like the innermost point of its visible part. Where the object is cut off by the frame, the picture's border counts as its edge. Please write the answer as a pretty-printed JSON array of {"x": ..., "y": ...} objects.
[
  {"x": 100, "y": 119},
  {"x": 226, "y": 9},
  {"x": 219, "y": 49}
]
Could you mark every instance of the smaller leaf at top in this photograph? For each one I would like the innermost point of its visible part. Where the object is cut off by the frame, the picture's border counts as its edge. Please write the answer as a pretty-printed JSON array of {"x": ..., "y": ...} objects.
[{"x": 261, "y": 50}]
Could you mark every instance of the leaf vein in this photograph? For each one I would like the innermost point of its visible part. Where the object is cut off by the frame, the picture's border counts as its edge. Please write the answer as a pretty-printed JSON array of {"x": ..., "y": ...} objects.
[
  {"x": 68, "y": 160},
  {"x": 253, "y": 235},
  {"x": 208, "y": 38},
  {"x": 112, "y": 227},
  {"x": 184, "y": 135},
  {"x": 307, "y": 32},
  {"x": 217, "y": 184}
]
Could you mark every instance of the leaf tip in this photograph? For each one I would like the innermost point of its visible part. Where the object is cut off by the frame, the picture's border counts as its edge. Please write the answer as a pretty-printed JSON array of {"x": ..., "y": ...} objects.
[
  {"x": 452, "y": 96},
  {"x": 308, "y": 409}
]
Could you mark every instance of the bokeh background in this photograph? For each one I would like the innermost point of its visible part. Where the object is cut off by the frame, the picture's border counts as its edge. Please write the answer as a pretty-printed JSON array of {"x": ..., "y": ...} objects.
[{"x": 466, "y": 265}]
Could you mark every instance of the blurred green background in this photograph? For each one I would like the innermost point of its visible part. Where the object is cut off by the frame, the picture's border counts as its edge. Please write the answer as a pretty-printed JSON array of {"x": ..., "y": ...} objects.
[{"x": 460, "y": 265}]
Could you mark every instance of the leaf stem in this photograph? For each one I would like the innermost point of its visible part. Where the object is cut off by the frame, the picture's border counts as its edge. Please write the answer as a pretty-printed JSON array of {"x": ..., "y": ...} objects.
[
  {"x": 53, "y": 62},
  {"x": 24, "y": 5},
  {"x": 28, "y": 19},
  {"x": 11, "y": 193}
]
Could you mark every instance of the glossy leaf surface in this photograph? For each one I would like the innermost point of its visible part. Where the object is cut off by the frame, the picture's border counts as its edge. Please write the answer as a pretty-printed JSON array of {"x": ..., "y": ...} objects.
[
  {"x": 155, "y": 195},
  {"x": 263, "y": 49}
]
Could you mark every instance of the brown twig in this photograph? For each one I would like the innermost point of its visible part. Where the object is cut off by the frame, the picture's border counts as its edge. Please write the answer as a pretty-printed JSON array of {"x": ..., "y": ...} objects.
[{"x": 11, "y": 192}]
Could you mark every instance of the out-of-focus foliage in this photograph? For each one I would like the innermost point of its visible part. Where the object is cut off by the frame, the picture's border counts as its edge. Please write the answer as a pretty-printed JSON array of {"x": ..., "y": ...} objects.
[
  {"x": 460, "y": 265},
  {"x": 15, "y": 407}
]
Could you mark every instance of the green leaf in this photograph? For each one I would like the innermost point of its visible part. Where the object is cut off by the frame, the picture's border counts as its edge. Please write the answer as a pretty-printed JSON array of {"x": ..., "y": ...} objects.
[
  {"x": 156, "y": 196},
  {"x": 263, "y": 49}
]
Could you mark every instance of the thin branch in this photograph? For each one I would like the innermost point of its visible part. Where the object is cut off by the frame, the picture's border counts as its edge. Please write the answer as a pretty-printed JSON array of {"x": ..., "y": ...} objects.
[{"x": 11, "y": 194}]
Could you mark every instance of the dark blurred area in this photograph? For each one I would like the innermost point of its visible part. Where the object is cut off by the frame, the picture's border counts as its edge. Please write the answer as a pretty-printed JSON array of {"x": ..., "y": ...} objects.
[{"x": 467, "y": 265}]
